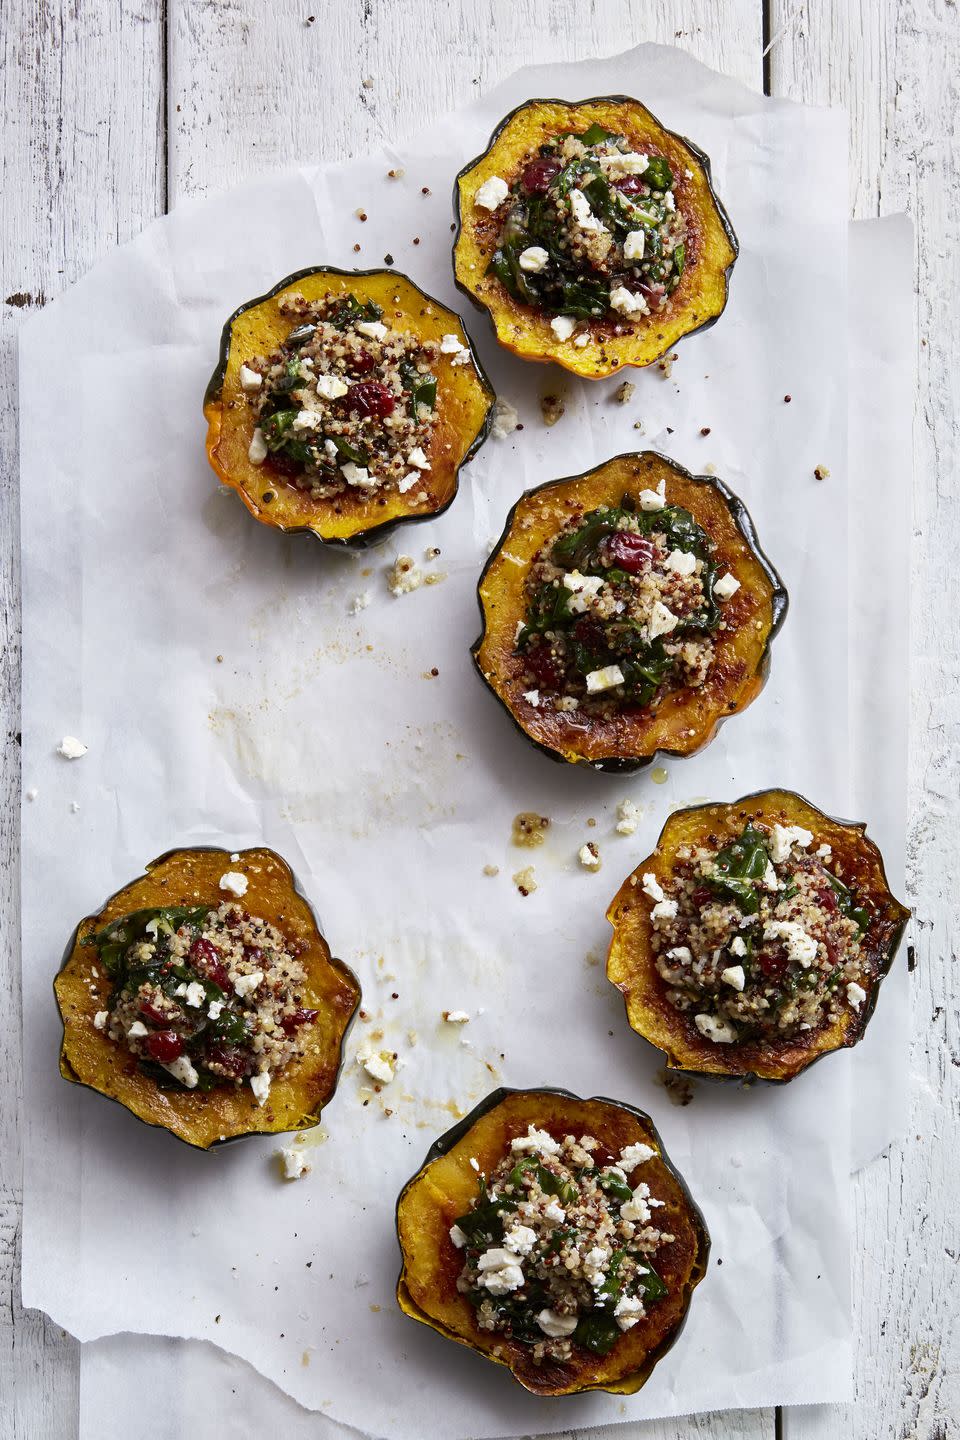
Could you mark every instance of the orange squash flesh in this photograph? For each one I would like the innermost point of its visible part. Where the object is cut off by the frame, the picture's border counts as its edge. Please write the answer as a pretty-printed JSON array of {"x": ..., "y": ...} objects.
[
  {"x": 699, "y": 298},
  {"x": 298, "y": 1093},
  {"x": 684, "y": 720},
  {"x": 444, "y": 1188},
  {"x": 631, "y": 961},
  {"x": 463, "y": 406}
]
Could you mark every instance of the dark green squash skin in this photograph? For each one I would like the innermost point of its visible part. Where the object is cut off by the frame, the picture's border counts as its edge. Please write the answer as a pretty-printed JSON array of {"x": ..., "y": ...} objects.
[
  {"x": 338, "y": 965},
  {"x": 699, "y": 155},
  {"x": 747, "y": 1080},
  {"x": 627, "y": 765},
  {"x": 376, "y": 533},
  {"x": 456, "y": 1133}
]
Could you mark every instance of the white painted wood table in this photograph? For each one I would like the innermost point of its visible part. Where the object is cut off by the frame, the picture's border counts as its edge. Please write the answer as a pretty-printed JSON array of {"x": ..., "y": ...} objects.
[{"x": 113, "y": 112}]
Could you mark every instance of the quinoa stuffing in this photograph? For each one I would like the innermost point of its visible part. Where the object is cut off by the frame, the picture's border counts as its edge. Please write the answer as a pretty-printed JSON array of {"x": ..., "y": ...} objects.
[
  {"x": 346, "y": 403},
  {"x": 559, "y": 1243},
  {"x": 623, "y": 604},
  {"x": 759, "y": 937},
  {"x": 589, "y": 230},
  {"x": 204, "y": 997}
]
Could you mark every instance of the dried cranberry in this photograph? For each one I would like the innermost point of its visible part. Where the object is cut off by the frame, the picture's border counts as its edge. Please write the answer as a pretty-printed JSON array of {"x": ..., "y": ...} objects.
[
  {"x": 589, "y": 632},
  {"x": 652, "y": 291},
  {"x": 290, "y": 1023},
  {"x": 630, "y": 184},
  {"x": 253, "y": 953},
  {"x": 773, "y": 962},
  {"x": 164, "y": 1046},
  {"x": 629, "y": 552},
  {"x": 362, "y": 364},
  {"x": 152, "y": 1013},
  {"x": 544, "y": 668},
  {"x": 227, "y": 1058},
  {"x": 371, "y": 398},
  {"x": 537, "y": 176},
  {"x": 828, "y": 899},
  {"x": 206, "y": 958},
  {"x": 702, "y": 896}
]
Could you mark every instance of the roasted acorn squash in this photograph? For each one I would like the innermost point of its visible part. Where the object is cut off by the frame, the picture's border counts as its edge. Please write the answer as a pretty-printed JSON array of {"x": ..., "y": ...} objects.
[
  {"x": 631, "y": 967},
  {"x": 444, "y": 1187},
  {"x": 464, "y": 402},
  {"x": 698, "y": 300},
  {"x": 299, "y": 1092},
  {"x": 684, "y": 720}
]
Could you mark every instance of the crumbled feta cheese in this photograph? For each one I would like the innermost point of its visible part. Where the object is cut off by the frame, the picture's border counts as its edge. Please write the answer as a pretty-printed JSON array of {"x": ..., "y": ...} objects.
[
  {"x": 245, "y": 985},
  {"x": 214, "y": 1009},
  {"x": 636, "y": 1208},
  {"x": 682, "y": 954},
  {"x": 726, "y": 586},
  {"x": 250, "y": 380},
  {"x": 555, "y": 1213},
  {"x": 358, "y": 475},
  {"x": 260, "y": 1085},
  {"x": 555, "y": 1325},
  {"x": 456, "y": 1017},
  {"x": 377, "y": 1066},
  {"x": 532, "y": 697},
  {"x": 583, "y": 589},
  {"x": 457, "y": 1236},
  {"x": 307, "y": 420},
  {"x": 257, "y": 452},
  {"x": 824, "y": 852},
  {"x": 100, "y": 1019},
  {"x": 669, "y": 201},
  {"x": 604, "y": 679},
  {"x": 651, "y": 886},
  {"x": 491, "y": 193},
  {"x": 505, "y": 419},
  {"x": 632, "y": 163},
  {"x": 715, "y": 1029},
  {"x": 738, "y": 946},
  {"x": 373, "y": 329},
  {"x": 856, "y": 994},
  {"x": 360, "y": 602},
  {"x": 633, "y": 1155},
  {"x": 196, "y": 995},
  {"x": 182, "y": 1069},
  {"x": 664, "y": 910},
  {"x": 499, "y": 1271},
  {"x": 769, "y": 879},
  {"x": 331, "y": 387},
  {"x": 563, "y": 326},
  {"x": 32, "y": 793},
  {"x": 330, "y": 449},
  {"x": 633, "y": 245},
  {"x": 234, "y": 882},
  {"x": 628, "y": 817},
  {"x": 537, "y": 1140},
  {"x": 520, "y": 1239},
  {"x": 628, "y": 1310},
  {"x": 417, "y": 458},
  {"x": 654, "y": 499},
  {"x": 582, "y": 213},
  {"x": 626, "y": 303},
  {"x": 71, "y": 748},
  {"x": 582, "y": 340},
  {"x": 181, "y": 990},
  {"x": 662, "y": 620},
  {"x": 589, "y": 857},
  {"x": 451, "y": 345},
  {"x": 408, "y": 481},
  {"x": 682, "y": 562},
  {"x": 534, "y": 259},
  {"x": 404, "y": 577},
  {"x": 784, "y": 837},
  {"x": 801, "y": 947},
  {"x": 293, "y": 1162},
  {"x": 137, "y": 1030},
  {"x": 734, "y": 975}
]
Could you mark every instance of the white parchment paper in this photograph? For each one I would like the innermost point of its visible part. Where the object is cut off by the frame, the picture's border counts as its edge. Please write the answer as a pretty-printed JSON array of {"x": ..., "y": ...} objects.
[{"x": 389, "y": 790}]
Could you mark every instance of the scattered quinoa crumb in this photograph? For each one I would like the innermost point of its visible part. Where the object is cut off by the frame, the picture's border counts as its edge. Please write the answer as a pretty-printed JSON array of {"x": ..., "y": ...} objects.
[
  {"x": 491, "y": 869},
  {"x": 404, "y": 576},
  {"x": 589, "y": 856},
  {"x": 524, "y": 881},
  {"x": 821, "y": 473},
  {"x": 551, "y": 408},
  {"x": 624, "y": 392}
]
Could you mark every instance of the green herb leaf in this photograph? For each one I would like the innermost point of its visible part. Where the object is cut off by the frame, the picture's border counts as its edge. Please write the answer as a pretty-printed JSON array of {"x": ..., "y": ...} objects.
[
  {"x": 597, "y": 1331},
  {"x": 658, "y": 174}
]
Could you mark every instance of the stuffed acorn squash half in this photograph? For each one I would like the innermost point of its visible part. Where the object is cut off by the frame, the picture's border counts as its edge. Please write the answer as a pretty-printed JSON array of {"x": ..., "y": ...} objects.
[
  {"x": 592, "y": 235},
  {"x": 627, "y": 611},
  {"x": 755, "y": 938},
  {"x": 344, "y": 403},
  {"x": 203, "y": 997},
  {"x": 553, "y": 1236}
]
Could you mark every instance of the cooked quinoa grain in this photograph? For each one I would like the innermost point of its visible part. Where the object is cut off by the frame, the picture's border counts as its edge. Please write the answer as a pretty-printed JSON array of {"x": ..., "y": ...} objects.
[
  {"x": 558, "y": 1246},
  {"x": 759, "y": 936},
  {"x": 205, "y": 997}
]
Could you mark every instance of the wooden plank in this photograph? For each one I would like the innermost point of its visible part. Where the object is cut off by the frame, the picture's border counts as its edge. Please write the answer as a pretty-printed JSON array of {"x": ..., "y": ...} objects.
[
  {"x": 895, "y": 68},
  {"x": 82, "y": 168}
]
